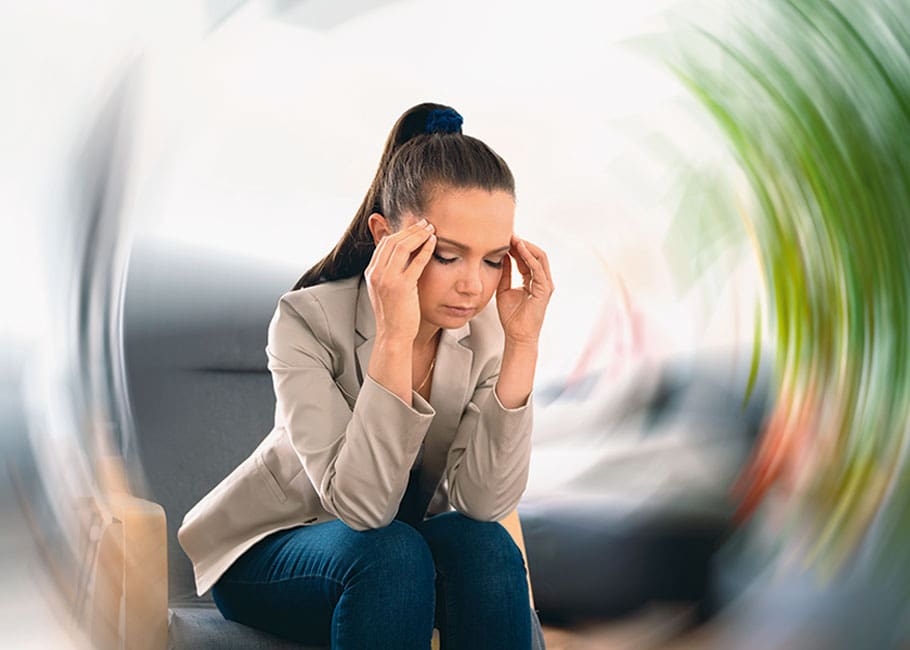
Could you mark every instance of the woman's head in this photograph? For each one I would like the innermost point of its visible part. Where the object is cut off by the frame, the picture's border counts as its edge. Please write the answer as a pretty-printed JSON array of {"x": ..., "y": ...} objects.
[
  {"x": 473, "y": 228},
  {"x": 425, "y": 157}
]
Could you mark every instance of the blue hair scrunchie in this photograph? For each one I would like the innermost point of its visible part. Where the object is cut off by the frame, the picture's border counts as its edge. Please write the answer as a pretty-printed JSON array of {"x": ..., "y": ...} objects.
[{"x": 443, "y": 120}]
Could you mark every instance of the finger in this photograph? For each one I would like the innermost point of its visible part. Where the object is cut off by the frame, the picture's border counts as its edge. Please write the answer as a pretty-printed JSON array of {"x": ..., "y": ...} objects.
[
  {"x": 519, "y": 259},
  {"x": 403, "y": 244},
  {"x": 538, "y": 274},
  {"x": 392, "y": 238},
  {"x": 380, "y": 259},
  {"x": 531, "y": 259},
  {"x": 537, "y": 259},
  {"x": 419, "y": 263},
  {"x": 541, "y": 256},
  {"x": 408, "y": 248},
  {"x": 416, "y": 227},
  {"x": 505, "y": 280}
]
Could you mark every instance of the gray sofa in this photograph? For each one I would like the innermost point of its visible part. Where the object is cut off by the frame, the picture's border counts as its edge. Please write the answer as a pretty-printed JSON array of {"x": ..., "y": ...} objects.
[
  {"x": 194, "y": 342},
  {"x": 194, "y": 334}
]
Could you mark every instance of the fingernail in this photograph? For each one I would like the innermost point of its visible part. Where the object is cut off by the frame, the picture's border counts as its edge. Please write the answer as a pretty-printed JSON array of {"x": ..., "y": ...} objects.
[{"x": 422, "y": 221}]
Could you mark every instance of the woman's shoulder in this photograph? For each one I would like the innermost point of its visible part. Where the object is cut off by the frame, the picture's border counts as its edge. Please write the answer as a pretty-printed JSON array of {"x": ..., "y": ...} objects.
[
  {"x": 321, "y": 310},
  {"x": 325, "y": 295}
]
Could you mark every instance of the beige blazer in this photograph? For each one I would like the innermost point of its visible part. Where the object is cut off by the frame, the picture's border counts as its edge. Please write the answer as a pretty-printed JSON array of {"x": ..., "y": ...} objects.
[{"x": 342, "y": 445}]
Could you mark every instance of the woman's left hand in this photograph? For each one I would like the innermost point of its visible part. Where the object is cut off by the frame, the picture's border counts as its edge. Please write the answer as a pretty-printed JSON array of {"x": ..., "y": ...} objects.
[{"x": 521, "y": 309}]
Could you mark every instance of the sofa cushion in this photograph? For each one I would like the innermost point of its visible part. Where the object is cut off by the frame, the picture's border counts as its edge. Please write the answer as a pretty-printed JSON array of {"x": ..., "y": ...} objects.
[
  {"x": 202, "y": 627},
  {"x": 199, "y": 627}
]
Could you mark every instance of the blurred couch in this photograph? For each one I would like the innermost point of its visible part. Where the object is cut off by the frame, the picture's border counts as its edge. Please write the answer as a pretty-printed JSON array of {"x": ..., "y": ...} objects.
[{"x": 602, "y": 543}]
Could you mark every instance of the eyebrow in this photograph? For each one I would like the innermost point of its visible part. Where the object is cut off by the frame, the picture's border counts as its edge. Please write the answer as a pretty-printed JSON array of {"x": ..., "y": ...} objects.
[{"x": 466, "y": 248}]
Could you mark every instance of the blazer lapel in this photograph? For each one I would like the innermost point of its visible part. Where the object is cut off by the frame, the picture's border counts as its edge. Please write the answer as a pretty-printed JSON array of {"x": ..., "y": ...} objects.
[
  {"x": 450, "y": 391},
  {"x": 365, "y": 326}
]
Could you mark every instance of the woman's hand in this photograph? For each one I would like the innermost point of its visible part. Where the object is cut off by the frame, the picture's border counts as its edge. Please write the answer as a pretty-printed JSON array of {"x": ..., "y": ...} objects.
[
  {"x": 392, "y": 280},
  {"x": 521, "y": 309}
]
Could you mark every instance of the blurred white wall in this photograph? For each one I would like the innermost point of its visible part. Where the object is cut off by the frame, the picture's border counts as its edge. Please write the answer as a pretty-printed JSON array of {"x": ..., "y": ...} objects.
[
  {"x": 258, "y": 127},
  {"x": 264, "y": 137}
]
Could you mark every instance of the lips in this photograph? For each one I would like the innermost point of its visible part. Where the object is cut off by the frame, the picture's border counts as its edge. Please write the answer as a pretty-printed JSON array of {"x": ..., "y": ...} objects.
[{"x": 459, "y": 311}]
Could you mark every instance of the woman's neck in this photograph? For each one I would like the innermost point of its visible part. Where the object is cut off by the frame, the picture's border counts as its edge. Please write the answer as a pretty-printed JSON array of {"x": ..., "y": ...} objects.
[{"x": 427, "y": 338}]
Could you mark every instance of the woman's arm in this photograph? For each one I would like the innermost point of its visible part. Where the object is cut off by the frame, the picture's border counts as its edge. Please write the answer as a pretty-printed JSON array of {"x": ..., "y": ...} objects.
[
  {"x": 516, "y": 378},
  {"x": 521, "y": 312},
  {"x": 358, "y": 461},
  {"x": 390, "y": 365},
  {"x": 392, "y": 285},
  {"x": 488, "y": 462}
]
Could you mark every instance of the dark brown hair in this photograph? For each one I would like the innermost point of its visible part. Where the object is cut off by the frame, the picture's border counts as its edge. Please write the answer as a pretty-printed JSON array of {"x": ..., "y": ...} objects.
[{"x": 414, "y": 164}]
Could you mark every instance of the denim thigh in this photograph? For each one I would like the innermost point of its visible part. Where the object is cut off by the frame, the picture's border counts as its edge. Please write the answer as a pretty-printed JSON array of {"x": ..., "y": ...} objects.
[
  {"x": 330, "y": 584},
  {"x": 482, "y": 596}
]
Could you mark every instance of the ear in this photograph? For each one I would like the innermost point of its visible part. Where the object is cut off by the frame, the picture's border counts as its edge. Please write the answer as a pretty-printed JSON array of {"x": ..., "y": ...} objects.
[{"x": 379, "y": 226}]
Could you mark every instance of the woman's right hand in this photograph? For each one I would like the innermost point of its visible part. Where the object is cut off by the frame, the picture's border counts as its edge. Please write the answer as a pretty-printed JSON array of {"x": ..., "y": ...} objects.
[{"x": 392, "y": 277}]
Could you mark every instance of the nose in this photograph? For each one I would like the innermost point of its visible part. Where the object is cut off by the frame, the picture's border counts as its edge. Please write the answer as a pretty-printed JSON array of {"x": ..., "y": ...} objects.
[{"x": 470, "y": 283}]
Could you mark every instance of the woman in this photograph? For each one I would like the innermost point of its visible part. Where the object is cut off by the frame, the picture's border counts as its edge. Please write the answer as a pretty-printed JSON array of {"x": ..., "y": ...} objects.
[{"x": 402, "y": 423}]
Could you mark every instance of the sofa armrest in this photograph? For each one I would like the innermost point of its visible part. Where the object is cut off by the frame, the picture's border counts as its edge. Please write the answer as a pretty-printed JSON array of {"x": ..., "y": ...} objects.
[
  {"x": 512, "y": 523},
  {"x": 129, "y": 604}
]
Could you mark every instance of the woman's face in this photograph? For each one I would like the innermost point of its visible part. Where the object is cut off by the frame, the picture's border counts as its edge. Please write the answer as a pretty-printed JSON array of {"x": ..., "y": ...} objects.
[{"x": 473, "y": 231}]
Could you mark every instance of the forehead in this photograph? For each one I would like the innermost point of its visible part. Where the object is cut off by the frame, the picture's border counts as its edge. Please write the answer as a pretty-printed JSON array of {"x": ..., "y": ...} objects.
[{"x": 479, "y": 219}]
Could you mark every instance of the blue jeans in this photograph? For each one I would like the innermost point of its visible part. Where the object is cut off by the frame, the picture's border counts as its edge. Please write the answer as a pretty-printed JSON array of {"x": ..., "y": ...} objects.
[{"x": 387, "y": 587}]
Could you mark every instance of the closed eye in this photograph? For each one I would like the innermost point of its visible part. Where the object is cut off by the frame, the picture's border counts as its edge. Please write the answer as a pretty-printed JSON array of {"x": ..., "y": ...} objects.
[
  {"x": 449, "y": 260},
  {"x": 444, "y": 260}
]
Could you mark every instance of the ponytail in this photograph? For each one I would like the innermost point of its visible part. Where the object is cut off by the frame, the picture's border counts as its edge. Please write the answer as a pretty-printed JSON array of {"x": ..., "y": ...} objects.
[{"x": 424, "y": 151}]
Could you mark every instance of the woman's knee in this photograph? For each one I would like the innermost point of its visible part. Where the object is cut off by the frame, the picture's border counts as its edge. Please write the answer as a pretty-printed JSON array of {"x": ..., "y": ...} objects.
[
  {"x": 481, "y": 568},
  {"x": 396, "y": 552},
  {"x": 453, "y": 535}
]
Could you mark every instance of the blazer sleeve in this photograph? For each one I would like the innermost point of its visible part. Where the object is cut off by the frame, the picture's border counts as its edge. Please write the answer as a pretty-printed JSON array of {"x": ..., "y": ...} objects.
[
  {"x": 358, "y": 461},
  {"x": 488, "y": 462}
]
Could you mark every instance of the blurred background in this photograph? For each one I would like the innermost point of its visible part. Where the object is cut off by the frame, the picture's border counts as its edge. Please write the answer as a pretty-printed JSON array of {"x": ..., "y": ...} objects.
[{"x": 169, "y": 169}]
